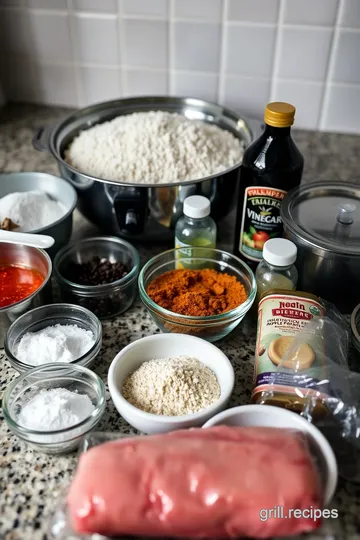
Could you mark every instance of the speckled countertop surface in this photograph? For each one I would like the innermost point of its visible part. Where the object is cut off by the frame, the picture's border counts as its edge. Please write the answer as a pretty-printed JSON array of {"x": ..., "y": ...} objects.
[{"x": 30, "y": 483}]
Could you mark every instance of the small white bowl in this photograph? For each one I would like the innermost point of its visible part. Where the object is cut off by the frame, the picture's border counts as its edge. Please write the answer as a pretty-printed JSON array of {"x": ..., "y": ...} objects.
[
  {"x": 270, "y": 416},
  {"x": 167, "y": 346}
]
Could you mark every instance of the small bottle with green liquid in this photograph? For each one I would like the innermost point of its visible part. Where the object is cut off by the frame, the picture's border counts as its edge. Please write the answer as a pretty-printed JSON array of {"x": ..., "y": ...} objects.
[{"x": 194, "y": 229}]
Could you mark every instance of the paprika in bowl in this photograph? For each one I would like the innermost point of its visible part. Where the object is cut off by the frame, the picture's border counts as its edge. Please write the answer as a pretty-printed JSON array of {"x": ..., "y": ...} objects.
[
  {"x": 200, "y": 291},
  {"x": 24, "y": 282}
]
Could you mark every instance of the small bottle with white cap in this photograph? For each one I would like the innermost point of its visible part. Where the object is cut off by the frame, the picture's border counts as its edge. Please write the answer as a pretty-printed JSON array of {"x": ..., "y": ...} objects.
[
  {"x": 196, "y": 228},
  {"x": 277, "y": 269}
]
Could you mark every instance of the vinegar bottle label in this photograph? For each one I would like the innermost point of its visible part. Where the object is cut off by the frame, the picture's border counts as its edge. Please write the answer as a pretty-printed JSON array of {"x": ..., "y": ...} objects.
[{"x": 260, "y": 220}]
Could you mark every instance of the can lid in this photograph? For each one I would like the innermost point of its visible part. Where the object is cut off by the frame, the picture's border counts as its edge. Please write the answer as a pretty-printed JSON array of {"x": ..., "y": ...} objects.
[
  {"x": 325, "y": 215},
  {"x": 279, "y": 114},
  {"x": 196, "y": 206},
  {"x": 279, "y": 252}
]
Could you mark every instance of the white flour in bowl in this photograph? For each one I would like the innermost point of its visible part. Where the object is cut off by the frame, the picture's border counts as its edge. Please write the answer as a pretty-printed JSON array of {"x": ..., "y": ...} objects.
[
  {"x": 154, "y": 148},
  {"x": 31, "y": 210}
]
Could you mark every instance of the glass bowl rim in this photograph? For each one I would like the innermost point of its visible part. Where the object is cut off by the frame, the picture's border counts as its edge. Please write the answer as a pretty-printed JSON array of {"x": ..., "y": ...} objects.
[
  {"x": 21, "y": 430},
  {"x": 235, "y": 312},
  {"x": 104, "y": 287},
  {"x": 77, "y": 361}
]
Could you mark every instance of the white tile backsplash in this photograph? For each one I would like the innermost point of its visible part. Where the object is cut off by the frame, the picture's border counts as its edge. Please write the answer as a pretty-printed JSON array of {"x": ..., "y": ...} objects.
[
  {"x": 151, "y": 51},
  {"x": 105, "y": 6},
  {"x": 347, "y": 57},
  {"x": 247, "y": 95},
  {"x": 304, "y": 53},
  {"x": 306, "y": 96},
  {"x": 50, "y": 36},
  {"x": 56, "y": 85},
  {"x": 47, "y": 4},
  {"x": 96, "y": 39},
  {"x": 259, "y": 11},
  {"x": 15, "y": 35},
  {"x": 312, "y": 12},
  {"x": 99, "y": 84},
  {"x": 145, "y": 83},
  {"x": 197, "y": 85},
  {"x": 245, "y": 59},
  {"x": 201, "y": 9},
  {"x": 342, "y": 111},
  {"x": 197, "y": 46},
  {"x": 13, "y": 75},
  {"x": 155, "y": 8},
  {"x": 240, "y": 53},
  {"x": 351, "y": 14}
]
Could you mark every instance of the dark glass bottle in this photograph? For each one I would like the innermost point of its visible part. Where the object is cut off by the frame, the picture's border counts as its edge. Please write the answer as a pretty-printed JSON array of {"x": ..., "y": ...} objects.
[{"x": 271, "y": 166}]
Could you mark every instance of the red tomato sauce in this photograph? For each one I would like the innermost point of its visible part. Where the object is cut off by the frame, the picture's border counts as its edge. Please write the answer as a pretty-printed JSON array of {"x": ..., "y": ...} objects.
[{"x": 16, "y": 283}]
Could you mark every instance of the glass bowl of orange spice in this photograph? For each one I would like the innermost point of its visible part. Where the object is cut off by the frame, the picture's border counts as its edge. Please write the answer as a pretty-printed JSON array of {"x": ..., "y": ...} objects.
[{"x": 200, "y": 291}]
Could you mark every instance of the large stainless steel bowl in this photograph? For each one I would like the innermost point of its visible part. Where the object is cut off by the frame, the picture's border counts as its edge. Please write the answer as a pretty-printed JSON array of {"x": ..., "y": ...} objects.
[{"x": 142, "y": 210}]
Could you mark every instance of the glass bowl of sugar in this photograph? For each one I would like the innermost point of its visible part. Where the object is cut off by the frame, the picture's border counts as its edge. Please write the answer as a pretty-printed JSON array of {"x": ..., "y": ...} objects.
[
  {"x": 52, "y": 407},
  {"x": 51, "y": 334}
]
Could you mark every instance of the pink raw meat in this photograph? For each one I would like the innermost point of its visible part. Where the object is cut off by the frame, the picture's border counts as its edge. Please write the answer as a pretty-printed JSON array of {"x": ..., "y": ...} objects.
[{"x": 199, "y": 483}]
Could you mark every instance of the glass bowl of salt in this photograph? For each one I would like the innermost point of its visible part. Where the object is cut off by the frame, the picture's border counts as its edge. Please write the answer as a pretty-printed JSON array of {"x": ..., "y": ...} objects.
[
  {"x": 52, "y": 407},
  {"x": 51, "y": 334}
]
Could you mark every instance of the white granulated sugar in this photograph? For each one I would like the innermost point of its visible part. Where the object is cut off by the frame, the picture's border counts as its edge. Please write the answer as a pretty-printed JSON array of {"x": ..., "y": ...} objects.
[
  {"x": 30, "y": 210},
  {"x": 153, "y": 148},
  {"x": 55, "y": 409},
  {"x": 172, "y": 386},
  {"x": 58, "y": 343}
]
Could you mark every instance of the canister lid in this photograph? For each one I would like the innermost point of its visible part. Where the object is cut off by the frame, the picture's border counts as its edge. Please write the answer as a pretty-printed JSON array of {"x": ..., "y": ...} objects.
[{"x": 325, "y": 215}]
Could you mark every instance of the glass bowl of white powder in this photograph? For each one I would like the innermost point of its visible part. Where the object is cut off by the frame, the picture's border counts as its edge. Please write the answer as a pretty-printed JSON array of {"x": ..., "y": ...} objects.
[
  {"x": 52, "y": 407},
  {"x": 51, "y": 334}
]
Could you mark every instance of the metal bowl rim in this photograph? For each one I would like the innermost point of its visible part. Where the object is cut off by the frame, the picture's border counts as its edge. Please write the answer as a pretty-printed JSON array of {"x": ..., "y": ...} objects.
[
  {"x": 156, "y": 100},
  {"x": 46, "y": 280},
  {"x": 57, "y": 179}
]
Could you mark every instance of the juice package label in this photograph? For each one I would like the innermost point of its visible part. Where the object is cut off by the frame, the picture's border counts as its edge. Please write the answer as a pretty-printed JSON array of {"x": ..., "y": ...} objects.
[
  {"x": 260, "y": 220},
  {"x": 280, "y": 318}
]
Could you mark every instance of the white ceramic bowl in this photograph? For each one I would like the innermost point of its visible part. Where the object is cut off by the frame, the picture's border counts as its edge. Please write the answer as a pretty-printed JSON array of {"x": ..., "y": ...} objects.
[
  {"x": 270, "y": 416},
  {"x": 163, "y": 346}
]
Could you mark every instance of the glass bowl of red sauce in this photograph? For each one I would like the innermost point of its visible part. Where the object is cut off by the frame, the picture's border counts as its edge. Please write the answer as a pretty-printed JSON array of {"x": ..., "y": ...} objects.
[{"x": 24, "y": 282}]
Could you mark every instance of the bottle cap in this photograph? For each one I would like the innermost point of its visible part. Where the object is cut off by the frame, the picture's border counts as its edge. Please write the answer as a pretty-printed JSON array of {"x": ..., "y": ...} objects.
[
  {"x": 196, "y": 206},
  {"x": 279, "y": 252},
  {"x": 279, "y": 114}
]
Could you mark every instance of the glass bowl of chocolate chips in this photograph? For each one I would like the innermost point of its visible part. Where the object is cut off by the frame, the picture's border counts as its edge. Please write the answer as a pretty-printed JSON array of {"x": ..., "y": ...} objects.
[{"x": 99, "y": 274}]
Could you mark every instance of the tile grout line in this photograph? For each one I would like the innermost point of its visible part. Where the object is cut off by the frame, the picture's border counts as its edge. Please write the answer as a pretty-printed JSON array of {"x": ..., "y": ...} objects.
[
  {"x": 223, "y": 41},
  {"x": 80, "y": 98},
  {"x": 330, "y": 68},
  {"x": 277, "y": 51},
  {"x": 171, "y": 48},
  {"x": 122, "y": 75}
]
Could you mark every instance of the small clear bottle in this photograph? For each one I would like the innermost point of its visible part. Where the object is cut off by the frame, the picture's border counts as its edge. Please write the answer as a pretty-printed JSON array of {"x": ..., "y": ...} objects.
[
  {"x": 277, "y": 270},
  {"x": 195, "y": 228}
]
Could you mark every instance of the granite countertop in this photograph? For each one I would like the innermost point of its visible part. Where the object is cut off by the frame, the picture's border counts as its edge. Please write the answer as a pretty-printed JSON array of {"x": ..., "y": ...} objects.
[{"x": 30, "y": 483}]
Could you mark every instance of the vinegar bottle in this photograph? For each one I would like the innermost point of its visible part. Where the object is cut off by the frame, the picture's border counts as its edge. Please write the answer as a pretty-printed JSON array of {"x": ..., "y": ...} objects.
[{"x": 271, "y": 166}]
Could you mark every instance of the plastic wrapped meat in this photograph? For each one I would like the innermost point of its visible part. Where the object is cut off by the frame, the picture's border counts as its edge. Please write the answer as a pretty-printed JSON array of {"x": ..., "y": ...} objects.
[{"x": 199, "y": 483}]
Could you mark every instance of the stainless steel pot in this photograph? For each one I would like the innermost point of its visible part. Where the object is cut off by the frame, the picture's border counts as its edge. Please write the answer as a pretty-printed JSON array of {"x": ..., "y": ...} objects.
[
  {"x": 323, "y": 220},
  {"x": 37, "y": 259},
  {"x": 139, "y": 210}
]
